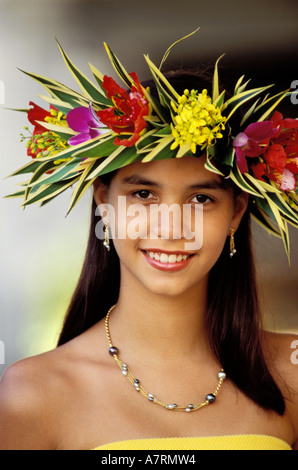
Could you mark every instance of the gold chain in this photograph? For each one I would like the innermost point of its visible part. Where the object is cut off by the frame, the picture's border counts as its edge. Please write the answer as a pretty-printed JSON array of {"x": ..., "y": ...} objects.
[{"x": 113, "y": 351}]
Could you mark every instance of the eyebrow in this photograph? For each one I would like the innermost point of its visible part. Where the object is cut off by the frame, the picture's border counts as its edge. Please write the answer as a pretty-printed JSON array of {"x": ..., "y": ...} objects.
[{"x": 136, "y": 179}]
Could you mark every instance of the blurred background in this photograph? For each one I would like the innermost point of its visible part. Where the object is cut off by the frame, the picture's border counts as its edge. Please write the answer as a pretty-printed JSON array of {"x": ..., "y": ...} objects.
[{"x": 41, "y": 250}]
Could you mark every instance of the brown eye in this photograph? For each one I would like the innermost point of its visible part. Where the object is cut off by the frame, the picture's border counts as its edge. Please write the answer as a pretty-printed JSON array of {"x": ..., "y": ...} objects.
[
  {"x": 142, "y": 194},
  {"x": 202, "y": 198}
]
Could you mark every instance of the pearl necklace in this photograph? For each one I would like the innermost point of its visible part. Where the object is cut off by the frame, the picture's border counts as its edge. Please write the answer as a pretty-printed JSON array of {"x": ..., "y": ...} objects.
[{"x": 113, "y": 351}]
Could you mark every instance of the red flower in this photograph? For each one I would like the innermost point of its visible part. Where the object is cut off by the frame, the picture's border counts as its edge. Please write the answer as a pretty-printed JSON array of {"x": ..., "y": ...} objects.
[
  {"x": 281, "y": 156},
  {"x": 287, "y": 129},
  {"x": 127, "y": 116},
  {"x": 276, "y": 157},
  {"x": 37, "y": 114},
  {"x": 34, "y": 114},
  {"x": 259, "y": 170}
]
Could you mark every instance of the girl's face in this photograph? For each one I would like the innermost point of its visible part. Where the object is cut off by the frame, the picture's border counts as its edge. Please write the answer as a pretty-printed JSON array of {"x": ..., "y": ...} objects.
[{"x": 152, "y": 248}]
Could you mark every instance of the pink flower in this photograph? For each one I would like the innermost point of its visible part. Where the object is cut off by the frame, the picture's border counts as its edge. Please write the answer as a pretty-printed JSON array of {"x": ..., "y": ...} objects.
[
  {"x": 252, "y": 142},
  {"x": 85, "y": 122}
]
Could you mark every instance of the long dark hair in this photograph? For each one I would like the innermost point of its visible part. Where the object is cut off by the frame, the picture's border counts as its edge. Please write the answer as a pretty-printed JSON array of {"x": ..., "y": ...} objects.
[{"x": 233, "y": 319}]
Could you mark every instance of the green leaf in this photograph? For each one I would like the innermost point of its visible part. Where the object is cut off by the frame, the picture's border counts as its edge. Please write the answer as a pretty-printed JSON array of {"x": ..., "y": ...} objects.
[
  {"x": 122, "y": 156},
  {"x": 50, "y": 191},
  {"x": 233, "y": 103},
  {"x": 15, "y": 195},
  {"x": 101, "y": 148},
  {"x": 82, "y": 185},
  {"x": 60, "y": 173},
  {"x": 283, "y": 207},
  {"x": 264, "y": 220},
  {"x": 249, "y": 113},
  {"x": 161, "y": 112},
  {"x": 37, "y": 175},
  {"x": 60, "y": 105},
  {"x": 229, "y": 155},
  {"x": 159, "y": 78},
  {"x": 166, "y": 130},
  {"x": 220, "y": 100},
  {"x": 276, "y": 100},
  {"x": 153, "y": 155},
  {"x": 125, "y": 77},
  {"x": 239, "y": 179},
  {"x": 88, "y": 88},
  {"x": 57, "y": 128},
  {"x": 215, "y": 84},
  {"x": 146, "y": 141},
  {"x": 239, "y": 88},
  {"x": 165, "y": 56},
  {"x": 275, "y": 211},
  {"x": 46, "y": 82},
  {"x": 68, "y": 96},
  {"x": 209, "y": 166},
  {"x": 97, "y": 75}
]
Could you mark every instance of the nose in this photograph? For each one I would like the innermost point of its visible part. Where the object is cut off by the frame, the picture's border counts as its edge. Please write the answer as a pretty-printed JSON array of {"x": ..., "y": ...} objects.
[
  {"x": 166, "y": 221},
  {"x": 175, "y": 221}
]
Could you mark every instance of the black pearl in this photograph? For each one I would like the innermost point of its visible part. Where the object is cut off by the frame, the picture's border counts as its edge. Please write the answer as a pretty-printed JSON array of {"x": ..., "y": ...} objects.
[
  {"x": 113, "y": 350},
  {"x": 210, "y": 397}
]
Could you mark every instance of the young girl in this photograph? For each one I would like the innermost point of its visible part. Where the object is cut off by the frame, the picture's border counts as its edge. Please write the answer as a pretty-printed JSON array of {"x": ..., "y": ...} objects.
[{"x": 162, "y": 346}]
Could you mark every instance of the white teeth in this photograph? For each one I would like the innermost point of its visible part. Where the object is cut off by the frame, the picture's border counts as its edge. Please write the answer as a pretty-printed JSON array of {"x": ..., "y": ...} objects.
[
  {"x": 172, "y": 259},
  {"x": 164, "y": 258}
]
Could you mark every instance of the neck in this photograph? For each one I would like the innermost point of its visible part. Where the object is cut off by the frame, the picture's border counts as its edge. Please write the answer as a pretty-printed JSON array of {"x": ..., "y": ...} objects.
[{"x": 152, "y": 326}]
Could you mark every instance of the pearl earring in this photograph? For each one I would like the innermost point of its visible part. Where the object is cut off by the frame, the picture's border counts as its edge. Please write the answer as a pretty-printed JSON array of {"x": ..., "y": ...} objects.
[
  {"x": 106, "y": 242},
  {"x": 232, "y": 243}
]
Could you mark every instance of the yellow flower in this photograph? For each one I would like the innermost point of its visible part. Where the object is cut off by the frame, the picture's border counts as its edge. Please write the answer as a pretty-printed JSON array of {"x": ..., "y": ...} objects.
[
  {"x": 57, "y": 118},
  {"x": 49, "y": 143},
  {"x": 197, "y": 121}
]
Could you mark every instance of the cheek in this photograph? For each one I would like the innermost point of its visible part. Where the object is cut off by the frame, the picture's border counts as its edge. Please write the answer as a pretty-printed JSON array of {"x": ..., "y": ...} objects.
[
  {"x": 215, "y": 232},
  {"x": 130, "y": 222}
]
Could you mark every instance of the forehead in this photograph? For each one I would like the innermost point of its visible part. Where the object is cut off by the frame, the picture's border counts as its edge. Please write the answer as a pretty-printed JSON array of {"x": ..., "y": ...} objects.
[{"x": 186, "y": 170}]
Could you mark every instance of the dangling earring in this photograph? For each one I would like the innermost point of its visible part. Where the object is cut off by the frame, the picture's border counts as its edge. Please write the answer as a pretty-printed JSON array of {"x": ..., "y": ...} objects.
[
  {"x": 232, "y": 243},
  {"x": 106, "y": 242}
]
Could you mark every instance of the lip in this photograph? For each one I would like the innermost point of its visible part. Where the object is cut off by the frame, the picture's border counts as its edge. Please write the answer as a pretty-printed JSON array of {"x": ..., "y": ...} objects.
[
  {"x": 169, "y": 252},
  {"x": 169, "y": 267}
]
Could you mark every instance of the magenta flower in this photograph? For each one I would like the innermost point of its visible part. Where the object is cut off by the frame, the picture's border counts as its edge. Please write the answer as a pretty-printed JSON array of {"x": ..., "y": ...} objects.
[
  {"x": 252, "y": 142},
  {"x": 84, "y": 121}
]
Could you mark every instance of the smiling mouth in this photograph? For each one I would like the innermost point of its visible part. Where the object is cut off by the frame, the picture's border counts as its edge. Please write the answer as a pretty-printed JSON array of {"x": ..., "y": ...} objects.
[{"x": 167, "y": 258}]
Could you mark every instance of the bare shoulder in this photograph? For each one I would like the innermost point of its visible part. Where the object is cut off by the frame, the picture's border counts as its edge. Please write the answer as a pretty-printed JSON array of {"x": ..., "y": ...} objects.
[
  {"x": 27, "y": 393},
  {"x": 281, "y": 351},
  {"x": 38, "y": 394}
]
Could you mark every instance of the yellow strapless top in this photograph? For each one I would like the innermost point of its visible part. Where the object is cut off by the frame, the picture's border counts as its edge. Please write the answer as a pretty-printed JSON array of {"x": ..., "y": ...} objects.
[{"x": 231, "y": 442}]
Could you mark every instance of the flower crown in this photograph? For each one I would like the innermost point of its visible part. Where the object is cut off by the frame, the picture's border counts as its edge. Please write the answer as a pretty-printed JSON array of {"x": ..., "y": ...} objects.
[{"x": 105, "y": 127}]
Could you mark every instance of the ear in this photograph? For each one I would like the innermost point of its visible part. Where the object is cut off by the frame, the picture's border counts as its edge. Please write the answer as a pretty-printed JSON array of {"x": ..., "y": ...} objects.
[
  {"x": 100, "y": 192},
  {"x": 240, "y": 206}
]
